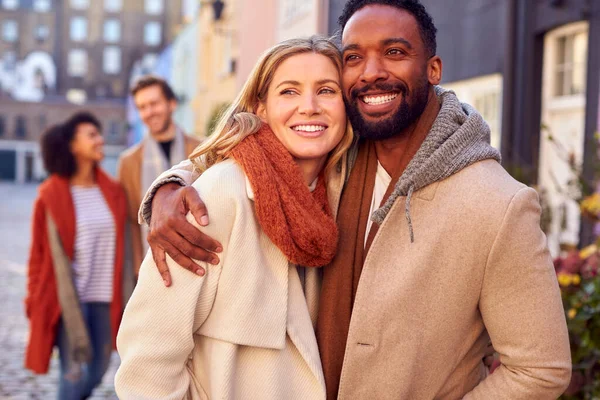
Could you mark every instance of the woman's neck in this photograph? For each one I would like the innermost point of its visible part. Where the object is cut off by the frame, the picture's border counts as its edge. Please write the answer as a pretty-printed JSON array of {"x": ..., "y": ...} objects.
[
  {"x": 311, "y": 168},
  {"x": 85, "y": 174}
]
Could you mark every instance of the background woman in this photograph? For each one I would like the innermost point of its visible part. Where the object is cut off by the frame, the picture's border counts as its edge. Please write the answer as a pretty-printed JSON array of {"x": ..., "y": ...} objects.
[
  {"x": 246, "y": 328},
  {"x": 75, "y": 265}
]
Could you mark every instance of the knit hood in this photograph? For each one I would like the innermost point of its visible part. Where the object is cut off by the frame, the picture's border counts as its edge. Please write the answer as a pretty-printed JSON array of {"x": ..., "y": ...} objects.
[{"x": 458, "y": 138}]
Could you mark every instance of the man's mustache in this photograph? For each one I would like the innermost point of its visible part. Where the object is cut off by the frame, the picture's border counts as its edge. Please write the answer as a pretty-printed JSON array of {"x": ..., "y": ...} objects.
[{"x": 380, "y": 86}]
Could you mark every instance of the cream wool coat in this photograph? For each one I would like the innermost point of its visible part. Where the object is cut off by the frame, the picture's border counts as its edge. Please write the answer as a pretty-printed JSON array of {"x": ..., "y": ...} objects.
[
  {"x": 243, "y": 331},
  {"x": 479, "y": 268}
]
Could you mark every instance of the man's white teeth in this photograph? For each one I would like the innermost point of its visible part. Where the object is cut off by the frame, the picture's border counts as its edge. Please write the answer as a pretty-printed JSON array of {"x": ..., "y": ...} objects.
[
  {"x": 380, "y": 99},
  {"x": 309, "y": 128}
]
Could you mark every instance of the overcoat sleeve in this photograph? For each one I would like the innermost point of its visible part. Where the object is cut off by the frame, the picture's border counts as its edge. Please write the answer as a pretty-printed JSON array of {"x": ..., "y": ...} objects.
[{"x": 522, "y": 310}]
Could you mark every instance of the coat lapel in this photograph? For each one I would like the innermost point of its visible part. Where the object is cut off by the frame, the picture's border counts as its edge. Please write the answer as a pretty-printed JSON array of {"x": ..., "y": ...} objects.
[
  {"x": 300, "y": 327},
  {"x": 58, "y": 200}
]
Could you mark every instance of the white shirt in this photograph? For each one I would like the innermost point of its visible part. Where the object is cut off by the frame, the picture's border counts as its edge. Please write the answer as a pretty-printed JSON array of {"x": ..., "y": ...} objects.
[
  {"x": 382, "y": 181},
  {"x": 95, "y": 245}
]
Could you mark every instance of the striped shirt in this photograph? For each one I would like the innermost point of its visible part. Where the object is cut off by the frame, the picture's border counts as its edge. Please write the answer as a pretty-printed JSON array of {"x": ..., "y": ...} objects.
[{"x": 95, "y": 242}]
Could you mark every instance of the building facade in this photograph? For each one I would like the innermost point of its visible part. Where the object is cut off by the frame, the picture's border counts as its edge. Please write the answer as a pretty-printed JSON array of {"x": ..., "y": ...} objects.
[{"x": 60, "y": 56}]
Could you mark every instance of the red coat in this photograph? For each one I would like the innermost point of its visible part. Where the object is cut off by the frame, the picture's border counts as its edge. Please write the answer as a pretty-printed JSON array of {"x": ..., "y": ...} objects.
[{"x": 42, "y": 305}]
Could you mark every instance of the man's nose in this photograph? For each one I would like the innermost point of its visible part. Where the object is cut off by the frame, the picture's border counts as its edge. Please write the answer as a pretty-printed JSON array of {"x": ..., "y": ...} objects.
[{"x": 374, "y": 70}]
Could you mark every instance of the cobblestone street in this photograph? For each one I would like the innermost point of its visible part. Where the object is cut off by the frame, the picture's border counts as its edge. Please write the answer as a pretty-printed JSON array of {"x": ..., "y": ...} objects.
[{"x": 15, "y": 382}]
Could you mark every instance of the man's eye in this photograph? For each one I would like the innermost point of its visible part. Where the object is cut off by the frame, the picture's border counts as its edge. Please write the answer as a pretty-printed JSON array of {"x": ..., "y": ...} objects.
[
  {"x": 395, "y": 52},
  {"x": 351, "y": 57}
]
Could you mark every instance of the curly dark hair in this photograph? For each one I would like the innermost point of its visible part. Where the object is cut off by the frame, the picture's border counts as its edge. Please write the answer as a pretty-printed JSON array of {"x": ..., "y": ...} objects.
[
  {"x": 427, "y": 28},
  {"x": 55, "y": 144}
]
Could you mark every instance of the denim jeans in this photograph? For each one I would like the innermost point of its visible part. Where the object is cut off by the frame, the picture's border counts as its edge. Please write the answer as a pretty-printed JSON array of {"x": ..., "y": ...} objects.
[{"x": 78, "y": 381}]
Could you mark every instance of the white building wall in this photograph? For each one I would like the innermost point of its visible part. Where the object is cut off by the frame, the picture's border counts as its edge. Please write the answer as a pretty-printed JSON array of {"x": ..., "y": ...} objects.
[
  {"x": 485, "y": 94},
  {"x": 562, "y": 138}
]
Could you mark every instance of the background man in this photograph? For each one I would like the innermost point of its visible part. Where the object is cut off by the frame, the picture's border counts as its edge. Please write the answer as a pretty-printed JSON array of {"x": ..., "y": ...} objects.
[{"x": 165, "y": 144}]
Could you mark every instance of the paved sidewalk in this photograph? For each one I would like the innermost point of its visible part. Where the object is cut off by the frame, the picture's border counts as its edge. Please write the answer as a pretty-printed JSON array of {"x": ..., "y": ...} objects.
[{"x": 16, "y": 383}]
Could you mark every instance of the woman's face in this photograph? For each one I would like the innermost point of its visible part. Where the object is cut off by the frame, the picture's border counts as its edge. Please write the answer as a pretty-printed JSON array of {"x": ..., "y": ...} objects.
[
  {"x": 88, "y": 143},
  {"x": 304, "y": 106}
]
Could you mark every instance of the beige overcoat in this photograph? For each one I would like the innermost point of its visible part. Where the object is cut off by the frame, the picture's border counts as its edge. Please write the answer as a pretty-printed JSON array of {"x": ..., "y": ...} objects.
[{"x": 479, "y": 268}]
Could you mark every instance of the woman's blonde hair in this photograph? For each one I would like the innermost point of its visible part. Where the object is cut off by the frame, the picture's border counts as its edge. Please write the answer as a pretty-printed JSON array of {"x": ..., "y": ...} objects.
[{"x": 240, "y": 120}]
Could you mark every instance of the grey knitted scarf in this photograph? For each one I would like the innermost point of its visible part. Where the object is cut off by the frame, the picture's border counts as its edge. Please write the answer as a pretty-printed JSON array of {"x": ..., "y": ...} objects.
[{"x": 458, "y": 138}]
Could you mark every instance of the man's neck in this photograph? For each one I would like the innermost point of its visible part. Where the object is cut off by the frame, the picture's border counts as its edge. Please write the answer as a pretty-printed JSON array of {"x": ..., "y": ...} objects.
[
  {"x": 166, "y": 135},
  {"x": 390, "y": 152}
]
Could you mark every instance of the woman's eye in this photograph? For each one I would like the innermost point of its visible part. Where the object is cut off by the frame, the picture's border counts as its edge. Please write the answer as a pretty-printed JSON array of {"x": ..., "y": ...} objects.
[
  {"x": 327, "y": 91},
  {"x": 288, "y": 91}
]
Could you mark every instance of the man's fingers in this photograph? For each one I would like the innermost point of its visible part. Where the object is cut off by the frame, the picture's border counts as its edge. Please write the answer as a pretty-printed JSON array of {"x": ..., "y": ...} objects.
[
  {"x": 161, "y": 263},
  {"x": 197, "y": 241},
  {"x": 488, "y": 361},
  {"x": 188, "y": 264},
  {"x": 192, "y": 202}
]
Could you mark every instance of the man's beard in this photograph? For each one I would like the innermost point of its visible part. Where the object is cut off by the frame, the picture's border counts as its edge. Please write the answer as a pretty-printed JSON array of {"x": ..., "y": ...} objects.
[
  {"x": 163, "y": 129},
  {"x": 385, "y": 128}
]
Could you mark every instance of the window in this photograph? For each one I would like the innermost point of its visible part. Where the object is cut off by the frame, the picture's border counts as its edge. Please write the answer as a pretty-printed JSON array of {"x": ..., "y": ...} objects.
[
  {"x": 113, "y": 5},
  {"x": 76, "y": 96},
  {"x": 153, "y": 7},
  {"x": 80, "y": 4},
  {"x": 10, "y": 30},
  {"x": 42, "y": 32},
  {"x": 149, "y": 61},
  {"x": 571, "y": 59},
  {"x": 10, "y": 61},
  {"x": 152, "y": 34},
  {"x": 78, "y": 30},
  {"x": 114, "y": 129},
  {"x": 42, "y": 122},
  {"x": 292, "y": 9},
  {"x": 20, "y": 127},
  {"x": 10, "y": 4},
  {"x": 112, "y": 30},
  {"x": 112, "y": 60},
  {"x": 2, "y": 125},
  {"x": 487, "y": 103},
  {"x": 42, "y": 5},
  {"x": 77, "y": 62}
]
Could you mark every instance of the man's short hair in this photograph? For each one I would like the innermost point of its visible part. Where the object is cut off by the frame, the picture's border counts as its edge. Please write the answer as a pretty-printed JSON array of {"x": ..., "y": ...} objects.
[
  {"x": 56, "y": 140},
  {"x": 427, "y": 28},
  {"x": 153, "y": 80}
]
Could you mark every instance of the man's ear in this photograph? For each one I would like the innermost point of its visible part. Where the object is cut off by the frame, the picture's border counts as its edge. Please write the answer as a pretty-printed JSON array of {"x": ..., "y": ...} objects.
[
  {"x": 434, "y": 70},
  {"x": 261, "y": 111},
  {"x": 172, "y": 105}
]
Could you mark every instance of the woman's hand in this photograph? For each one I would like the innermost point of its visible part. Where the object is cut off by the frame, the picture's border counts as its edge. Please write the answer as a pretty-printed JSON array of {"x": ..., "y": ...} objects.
[{"x": 171, "y": 233}]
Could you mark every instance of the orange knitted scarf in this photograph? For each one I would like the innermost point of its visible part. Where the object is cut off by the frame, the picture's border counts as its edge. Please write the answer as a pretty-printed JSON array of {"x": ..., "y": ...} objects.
[{"x": 297, "y": 221}]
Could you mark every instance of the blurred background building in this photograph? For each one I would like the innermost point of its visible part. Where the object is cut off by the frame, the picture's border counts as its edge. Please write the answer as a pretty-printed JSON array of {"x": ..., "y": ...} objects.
[
  {"x": 531, "y": 68},
  {"x": 58, "y": 56}
]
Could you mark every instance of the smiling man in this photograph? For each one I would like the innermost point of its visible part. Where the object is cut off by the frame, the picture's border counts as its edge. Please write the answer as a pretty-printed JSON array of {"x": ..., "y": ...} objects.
[
  {"x": 440, "y": 249},
  {"x": 164, "y": 144}
]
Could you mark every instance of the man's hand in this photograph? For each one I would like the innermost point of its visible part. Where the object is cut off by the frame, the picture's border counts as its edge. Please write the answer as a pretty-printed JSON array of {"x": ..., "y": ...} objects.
[
  {"x": 489, "y": 358},
  {"x": 171, "y": 233}
]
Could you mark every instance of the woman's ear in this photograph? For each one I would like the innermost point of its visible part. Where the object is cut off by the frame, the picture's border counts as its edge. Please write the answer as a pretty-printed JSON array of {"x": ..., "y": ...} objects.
[{"x": 261, "y": 112}]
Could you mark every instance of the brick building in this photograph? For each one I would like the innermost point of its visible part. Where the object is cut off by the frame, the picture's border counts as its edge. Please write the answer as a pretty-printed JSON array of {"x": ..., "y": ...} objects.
[{"x": 60, "y": 56}]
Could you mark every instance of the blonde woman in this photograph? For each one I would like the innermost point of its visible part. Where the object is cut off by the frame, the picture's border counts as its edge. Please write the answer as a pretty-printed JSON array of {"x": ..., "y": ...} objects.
[{"x": 246, "y": 328}]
